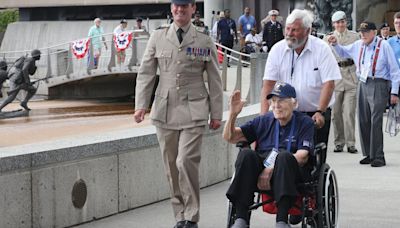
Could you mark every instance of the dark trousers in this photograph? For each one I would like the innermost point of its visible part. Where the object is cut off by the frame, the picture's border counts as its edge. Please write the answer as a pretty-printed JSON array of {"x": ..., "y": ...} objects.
[
  {"x": 229, "y": 44},
  {"x": 249, "y": 164},
  {"x": 372, "y": 97}
]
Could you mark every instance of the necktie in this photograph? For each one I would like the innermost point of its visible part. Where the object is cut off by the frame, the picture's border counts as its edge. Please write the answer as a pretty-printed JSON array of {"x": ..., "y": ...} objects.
[{"x": 179, "y": 33}]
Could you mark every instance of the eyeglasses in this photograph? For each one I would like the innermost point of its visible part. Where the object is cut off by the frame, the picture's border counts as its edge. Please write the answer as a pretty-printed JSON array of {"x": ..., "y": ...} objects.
[{"x": 279, "y": 100}]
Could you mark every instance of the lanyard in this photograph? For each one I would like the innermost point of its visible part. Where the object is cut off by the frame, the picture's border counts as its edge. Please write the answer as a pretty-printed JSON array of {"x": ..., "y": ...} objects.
[
  {"x": 374, "y": 56},
  {"x": 289, "y": 144},
  {"x": 293, "y": 65}
]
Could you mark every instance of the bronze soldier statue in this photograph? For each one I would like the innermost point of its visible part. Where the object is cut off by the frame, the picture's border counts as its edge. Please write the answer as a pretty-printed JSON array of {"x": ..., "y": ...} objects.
[
  {"x": 19, "y": 79},
  {"x": 3, "y": 75}
]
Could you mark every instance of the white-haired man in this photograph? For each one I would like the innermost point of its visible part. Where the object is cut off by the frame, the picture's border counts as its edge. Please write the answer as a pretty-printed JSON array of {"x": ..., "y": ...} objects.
[
  {"x": 284, "y": 143},
  {"x": 377, "y": 70},
  {"x": 308, "y": 64},
  {"x": 96, "y": 37}
]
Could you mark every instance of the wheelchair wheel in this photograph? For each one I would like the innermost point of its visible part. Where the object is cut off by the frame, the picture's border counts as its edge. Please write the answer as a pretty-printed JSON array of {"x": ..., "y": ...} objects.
[
  {"x": 327, "y": 198},
  {"x": 231, "y": 209}
]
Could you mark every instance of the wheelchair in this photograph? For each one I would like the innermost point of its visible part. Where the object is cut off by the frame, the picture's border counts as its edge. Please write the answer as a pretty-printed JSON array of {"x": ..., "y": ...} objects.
[{"x": 318, "y": 204}]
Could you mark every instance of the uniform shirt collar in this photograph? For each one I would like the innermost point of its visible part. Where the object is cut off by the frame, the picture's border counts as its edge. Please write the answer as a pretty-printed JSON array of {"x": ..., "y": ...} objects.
[
  {"x": 340, "y": 34},
  {"x": 184, "y": 28}
]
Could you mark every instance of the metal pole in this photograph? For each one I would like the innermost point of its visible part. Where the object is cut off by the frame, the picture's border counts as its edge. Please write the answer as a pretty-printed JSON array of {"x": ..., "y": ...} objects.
[
  {"x": 70, "y": 68},
  {"x": 257, "y": 66},
  {"x": 111, "y": 64},
  {"x": 224, "y": 70},
  {"x": 48, "y": 74},
  {"x": 238, "y": 85}
]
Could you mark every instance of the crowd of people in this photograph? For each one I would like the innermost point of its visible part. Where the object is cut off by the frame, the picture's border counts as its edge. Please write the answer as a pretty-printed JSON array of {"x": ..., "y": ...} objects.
[
  {"x": 308, "y": 82},
  {"x": 96, "y": 33}
]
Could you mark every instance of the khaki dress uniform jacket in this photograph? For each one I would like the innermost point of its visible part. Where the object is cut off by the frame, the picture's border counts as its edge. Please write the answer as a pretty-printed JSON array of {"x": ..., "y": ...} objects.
[
  {"x": 182, "y": 106},
  {"x": 345, "y": 94}
]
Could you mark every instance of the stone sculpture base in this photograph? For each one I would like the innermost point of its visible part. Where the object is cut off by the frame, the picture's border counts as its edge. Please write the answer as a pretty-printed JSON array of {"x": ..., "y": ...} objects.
[{"x": 13, "y": 114}]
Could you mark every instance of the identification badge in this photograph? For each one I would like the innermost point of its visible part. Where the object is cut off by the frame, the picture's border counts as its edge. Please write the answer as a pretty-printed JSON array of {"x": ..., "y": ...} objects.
[
  {"x": 364, "y": 73},
  {"x": 269, "y": 162},
  {"x": 248, "y": 26},
  {"x": 232, "y": 32}
]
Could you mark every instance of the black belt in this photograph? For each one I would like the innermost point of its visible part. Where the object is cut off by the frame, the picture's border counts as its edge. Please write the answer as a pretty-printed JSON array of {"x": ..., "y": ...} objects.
[{"x": 345, "y": 63}]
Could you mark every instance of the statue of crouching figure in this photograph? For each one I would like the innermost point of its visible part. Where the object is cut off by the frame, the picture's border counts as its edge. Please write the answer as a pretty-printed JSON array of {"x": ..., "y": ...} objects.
[{"x": 19, "y": 79}]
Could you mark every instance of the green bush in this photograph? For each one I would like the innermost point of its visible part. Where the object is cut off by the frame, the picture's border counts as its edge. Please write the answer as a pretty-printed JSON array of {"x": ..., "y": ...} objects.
[{"x": 7, "y": 17}]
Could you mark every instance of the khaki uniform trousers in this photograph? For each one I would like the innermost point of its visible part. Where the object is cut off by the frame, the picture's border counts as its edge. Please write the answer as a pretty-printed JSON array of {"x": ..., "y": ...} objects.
[
  {"x": 344, "y": 111},
  {"x": 181, "y": 150}
]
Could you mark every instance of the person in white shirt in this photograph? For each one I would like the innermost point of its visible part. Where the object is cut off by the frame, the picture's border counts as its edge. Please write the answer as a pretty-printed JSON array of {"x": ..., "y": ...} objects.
[
  {"x": 118, "y": 30},
  {"x": 308, "y": 64},
  {"x": 253, "y": 42}
]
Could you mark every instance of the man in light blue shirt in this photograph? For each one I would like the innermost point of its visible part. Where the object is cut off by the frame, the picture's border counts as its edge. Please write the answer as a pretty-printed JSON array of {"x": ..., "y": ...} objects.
[
  {"x": 96, "y": 34},
  {"x": 394, "y": 41},
  {"x": 246, "y": 23},
  {"x": 379, "y": 73}
]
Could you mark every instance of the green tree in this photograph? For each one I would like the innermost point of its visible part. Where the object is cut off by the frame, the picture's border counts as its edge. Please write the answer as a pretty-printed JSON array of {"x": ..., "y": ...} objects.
[{"x": 7, "y": 17}]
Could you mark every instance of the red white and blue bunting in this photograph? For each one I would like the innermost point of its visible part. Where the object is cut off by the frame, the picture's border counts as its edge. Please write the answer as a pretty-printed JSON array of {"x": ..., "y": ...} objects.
[
  {"x": 80, "y": 47},
  {"x": 122, "y": 40}
]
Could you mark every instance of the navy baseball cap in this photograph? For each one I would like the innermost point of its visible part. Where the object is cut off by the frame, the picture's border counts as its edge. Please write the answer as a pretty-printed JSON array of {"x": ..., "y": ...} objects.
[
  {"x": 367, "y": 26},
  {"x": 282, "y": 90},
  {"x": 182, "y": 2}
]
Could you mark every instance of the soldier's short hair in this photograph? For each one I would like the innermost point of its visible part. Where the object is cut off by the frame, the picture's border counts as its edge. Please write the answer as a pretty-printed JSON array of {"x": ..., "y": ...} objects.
[{"x": 396, "y": 15}]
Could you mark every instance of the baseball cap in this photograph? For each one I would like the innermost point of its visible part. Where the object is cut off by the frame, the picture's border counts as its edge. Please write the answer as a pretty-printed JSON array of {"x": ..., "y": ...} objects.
[
  {"x": 124, "y": 21},
  {"x": 338, "y": 15},
  {"x": 366, "y": 26},
  {"x": 182, "y": 2},
  {"x": 384, "y": 25},
  {"x": 282, "y": 90}
]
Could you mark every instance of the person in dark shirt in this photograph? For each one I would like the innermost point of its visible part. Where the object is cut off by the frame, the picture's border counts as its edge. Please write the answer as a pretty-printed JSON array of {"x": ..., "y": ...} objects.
[
  {"x": 197, "y": 22},
  {"x": 226, "y": 32},
  {"x": 283, "y": 134},
  {"x": 273, "y": 30},
  {"x": 384, "y": 31}
]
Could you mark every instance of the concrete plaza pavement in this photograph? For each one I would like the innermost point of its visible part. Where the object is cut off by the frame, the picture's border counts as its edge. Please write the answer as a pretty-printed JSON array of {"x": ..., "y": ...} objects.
[{"x": 369, "y": 197}]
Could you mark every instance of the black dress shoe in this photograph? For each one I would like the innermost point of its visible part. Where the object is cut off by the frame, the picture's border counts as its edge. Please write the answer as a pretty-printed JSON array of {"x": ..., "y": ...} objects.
[
  {"x": 338, "y": 148},
  {"x": 352, "y": 149},
  {"x": 378, "y": 162},
  {"x": 365, "y": 161},
  {"x": 189, "y": 224},
  {"x": 179, "y": 224}
]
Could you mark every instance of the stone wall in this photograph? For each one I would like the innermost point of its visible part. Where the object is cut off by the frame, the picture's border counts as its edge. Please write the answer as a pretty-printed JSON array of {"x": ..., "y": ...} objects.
[{"x": 122, "y": 170}]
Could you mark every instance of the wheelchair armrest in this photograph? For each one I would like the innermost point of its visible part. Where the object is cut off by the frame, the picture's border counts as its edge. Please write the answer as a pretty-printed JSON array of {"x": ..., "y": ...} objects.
[
  {"x": 320, "y": 154},
  {"x": 243, "y": 144}
]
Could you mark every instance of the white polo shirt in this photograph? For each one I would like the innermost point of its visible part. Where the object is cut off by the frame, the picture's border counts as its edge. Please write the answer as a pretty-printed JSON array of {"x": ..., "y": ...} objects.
[{"x": 306, "y": 72}]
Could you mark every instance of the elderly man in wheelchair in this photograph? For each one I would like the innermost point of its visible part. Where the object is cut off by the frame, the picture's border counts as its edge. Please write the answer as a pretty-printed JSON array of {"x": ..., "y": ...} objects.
[{"x": 280, "y": 166}]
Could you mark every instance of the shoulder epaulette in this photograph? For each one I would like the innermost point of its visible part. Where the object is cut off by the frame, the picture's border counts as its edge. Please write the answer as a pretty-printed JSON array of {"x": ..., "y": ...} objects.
[{"x": 202, "y": 30}]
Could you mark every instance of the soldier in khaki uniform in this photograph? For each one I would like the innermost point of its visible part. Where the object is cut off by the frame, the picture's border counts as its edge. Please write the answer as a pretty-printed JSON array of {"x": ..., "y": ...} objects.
[
  {"x": 345, "y": 89},
  {"x": 182, "y": 104}
]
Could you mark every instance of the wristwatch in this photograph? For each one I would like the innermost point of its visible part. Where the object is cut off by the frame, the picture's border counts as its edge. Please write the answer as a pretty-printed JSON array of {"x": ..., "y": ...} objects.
[{"x": 320, "y": 111}]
